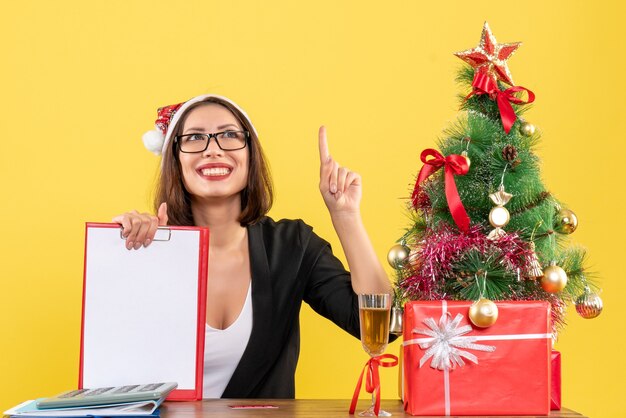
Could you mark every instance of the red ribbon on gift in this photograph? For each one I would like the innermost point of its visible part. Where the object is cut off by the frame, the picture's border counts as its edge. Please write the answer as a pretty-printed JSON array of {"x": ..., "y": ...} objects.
[
  {"x": 483, "y": 85},
  {"x": 453, "y": 165},
  {"x": 372, "y": 379}
]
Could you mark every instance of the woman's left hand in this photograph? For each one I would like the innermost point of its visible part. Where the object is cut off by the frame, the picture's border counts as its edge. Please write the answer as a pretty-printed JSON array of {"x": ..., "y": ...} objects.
[{"x": 340, "y": 187}]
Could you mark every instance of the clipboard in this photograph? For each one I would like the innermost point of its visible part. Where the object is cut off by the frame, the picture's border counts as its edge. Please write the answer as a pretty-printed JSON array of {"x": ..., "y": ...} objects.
[{"x": 144, "y": 312}]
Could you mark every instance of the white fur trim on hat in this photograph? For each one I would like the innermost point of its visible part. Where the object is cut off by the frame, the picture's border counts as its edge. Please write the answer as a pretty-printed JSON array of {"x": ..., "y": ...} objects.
[{"x": 154, "y": 140}]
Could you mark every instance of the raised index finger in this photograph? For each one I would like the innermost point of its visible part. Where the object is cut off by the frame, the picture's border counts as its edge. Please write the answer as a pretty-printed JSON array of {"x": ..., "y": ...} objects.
[{"x": 324, "y": 153}]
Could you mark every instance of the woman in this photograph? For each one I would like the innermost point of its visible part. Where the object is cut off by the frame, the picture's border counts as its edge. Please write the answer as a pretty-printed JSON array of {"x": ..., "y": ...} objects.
[{"x": 213, "y": 173}]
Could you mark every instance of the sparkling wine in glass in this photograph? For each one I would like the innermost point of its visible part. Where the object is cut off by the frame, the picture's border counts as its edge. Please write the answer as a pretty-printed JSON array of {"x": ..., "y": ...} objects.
[{"x": 374, "y": 318}]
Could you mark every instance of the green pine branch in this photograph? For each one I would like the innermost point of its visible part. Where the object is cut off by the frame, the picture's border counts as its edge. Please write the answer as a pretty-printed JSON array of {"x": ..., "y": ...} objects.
[{"x": 481, "y": 275}]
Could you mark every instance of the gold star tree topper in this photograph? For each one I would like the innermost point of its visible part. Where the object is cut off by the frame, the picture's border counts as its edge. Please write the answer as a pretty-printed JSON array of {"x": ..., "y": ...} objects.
[{"x": 489, "y": 58}]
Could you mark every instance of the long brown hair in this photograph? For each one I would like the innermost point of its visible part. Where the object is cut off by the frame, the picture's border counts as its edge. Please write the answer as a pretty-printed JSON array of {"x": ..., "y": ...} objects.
[{"x": 256, "y": 198}]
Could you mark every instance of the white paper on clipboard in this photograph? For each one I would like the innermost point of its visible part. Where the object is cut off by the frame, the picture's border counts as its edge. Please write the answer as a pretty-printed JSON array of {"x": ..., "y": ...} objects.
[{"x": 144, "y": 311}]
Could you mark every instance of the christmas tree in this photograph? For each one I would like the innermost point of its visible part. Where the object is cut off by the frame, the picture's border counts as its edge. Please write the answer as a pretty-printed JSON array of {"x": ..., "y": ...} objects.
[{"x": 484, "y": 226}]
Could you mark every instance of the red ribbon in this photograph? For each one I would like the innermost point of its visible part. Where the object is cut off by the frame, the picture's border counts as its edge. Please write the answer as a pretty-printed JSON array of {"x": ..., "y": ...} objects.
[
  {"x": 503, "y": 98},
  {"x": 484, "y": 81},
  {"x": 453, "y": 165},
  {"x": 372, "y": 380}
]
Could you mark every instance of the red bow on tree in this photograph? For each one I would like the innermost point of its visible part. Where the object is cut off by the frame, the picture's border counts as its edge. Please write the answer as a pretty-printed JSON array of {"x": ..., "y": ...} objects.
[
  {"x": 453, "y": 165},
  {"x": 372, "y": 379},
  {"x": 482, "y": 85}
]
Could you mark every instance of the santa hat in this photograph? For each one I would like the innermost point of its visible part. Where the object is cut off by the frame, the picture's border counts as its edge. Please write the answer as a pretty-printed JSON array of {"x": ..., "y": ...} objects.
[{"x": 168, "y": 117}]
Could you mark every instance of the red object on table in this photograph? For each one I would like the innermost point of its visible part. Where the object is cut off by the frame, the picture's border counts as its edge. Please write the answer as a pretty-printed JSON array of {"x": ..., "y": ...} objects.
[
  {"x": 454, "y": 368},
  {"x": 372, "y": 379},
  {"x": 555, "y": 386}
]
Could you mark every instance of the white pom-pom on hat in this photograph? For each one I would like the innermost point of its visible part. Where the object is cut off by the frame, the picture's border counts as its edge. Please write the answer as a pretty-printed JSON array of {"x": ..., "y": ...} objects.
[{"x": 153, "y": 140}]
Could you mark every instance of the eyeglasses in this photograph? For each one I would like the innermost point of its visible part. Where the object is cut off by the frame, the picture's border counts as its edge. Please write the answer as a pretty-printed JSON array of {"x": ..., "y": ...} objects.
[{"x": 227, "y": 141}]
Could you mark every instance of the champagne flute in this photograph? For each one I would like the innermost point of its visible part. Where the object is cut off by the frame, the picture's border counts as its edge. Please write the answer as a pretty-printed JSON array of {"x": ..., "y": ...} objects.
[{"x": 374, "y": 319}]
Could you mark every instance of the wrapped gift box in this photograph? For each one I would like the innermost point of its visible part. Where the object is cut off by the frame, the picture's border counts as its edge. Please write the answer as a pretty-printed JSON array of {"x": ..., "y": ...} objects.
[
  {"x": 500, "y": 370},
  {"x": 555, "y": 391}
]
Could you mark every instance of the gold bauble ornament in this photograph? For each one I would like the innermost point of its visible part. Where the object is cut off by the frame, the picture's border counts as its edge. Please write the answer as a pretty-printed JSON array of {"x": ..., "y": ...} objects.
[
  {"x": 589, "y": 304},
  {"x": 527, "y": 129},
  {"x": 415, "y": 261},
  {"x": 397, "y": 255},
  {"x": 554, "y": 278},
  {"x": 469, "y": 162},
  {"x": 566, "y": 222},
  {"x": 483, "y": 313}
]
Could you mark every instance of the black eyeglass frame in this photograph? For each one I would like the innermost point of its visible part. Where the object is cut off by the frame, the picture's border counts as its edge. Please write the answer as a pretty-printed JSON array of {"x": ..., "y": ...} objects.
[{"x": 213, "y": 135}]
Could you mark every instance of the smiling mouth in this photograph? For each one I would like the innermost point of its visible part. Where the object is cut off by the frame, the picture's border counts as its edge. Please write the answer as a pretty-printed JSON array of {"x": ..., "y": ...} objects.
[{"x": 215, "y": 171}]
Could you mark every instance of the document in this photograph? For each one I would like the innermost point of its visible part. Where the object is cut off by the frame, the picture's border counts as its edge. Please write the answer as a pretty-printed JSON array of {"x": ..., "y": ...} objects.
[{"x": 144, "y": 311}]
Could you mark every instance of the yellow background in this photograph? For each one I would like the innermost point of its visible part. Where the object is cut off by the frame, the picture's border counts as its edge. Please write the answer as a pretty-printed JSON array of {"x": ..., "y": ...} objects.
[{"x": 80, "y": 82}]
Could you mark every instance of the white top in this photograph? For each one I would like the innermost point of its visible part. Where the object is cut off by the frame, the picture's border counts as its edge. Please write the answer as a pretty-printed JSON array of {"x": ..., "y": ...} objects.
[{"x": 223, "y": 349}]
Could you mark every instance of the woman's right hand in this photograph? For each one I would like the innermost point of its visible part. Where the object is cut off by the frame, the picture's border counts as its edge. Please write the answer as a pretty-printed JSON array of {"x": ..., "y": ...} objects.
[{"x": 139, "y": 228}]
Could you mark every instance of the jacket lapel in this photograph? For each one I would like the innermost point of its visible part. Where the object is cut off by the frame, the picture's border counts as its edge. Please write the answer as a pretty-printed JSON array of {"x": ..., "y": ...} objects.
[{"x": 256, "y": 359}]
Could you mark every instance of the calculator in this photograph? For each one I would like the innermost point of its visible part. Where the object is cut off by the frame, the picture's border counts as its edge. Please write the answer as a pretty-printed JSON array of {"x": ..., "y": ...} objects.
[{"x": 108, "y": 395}]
